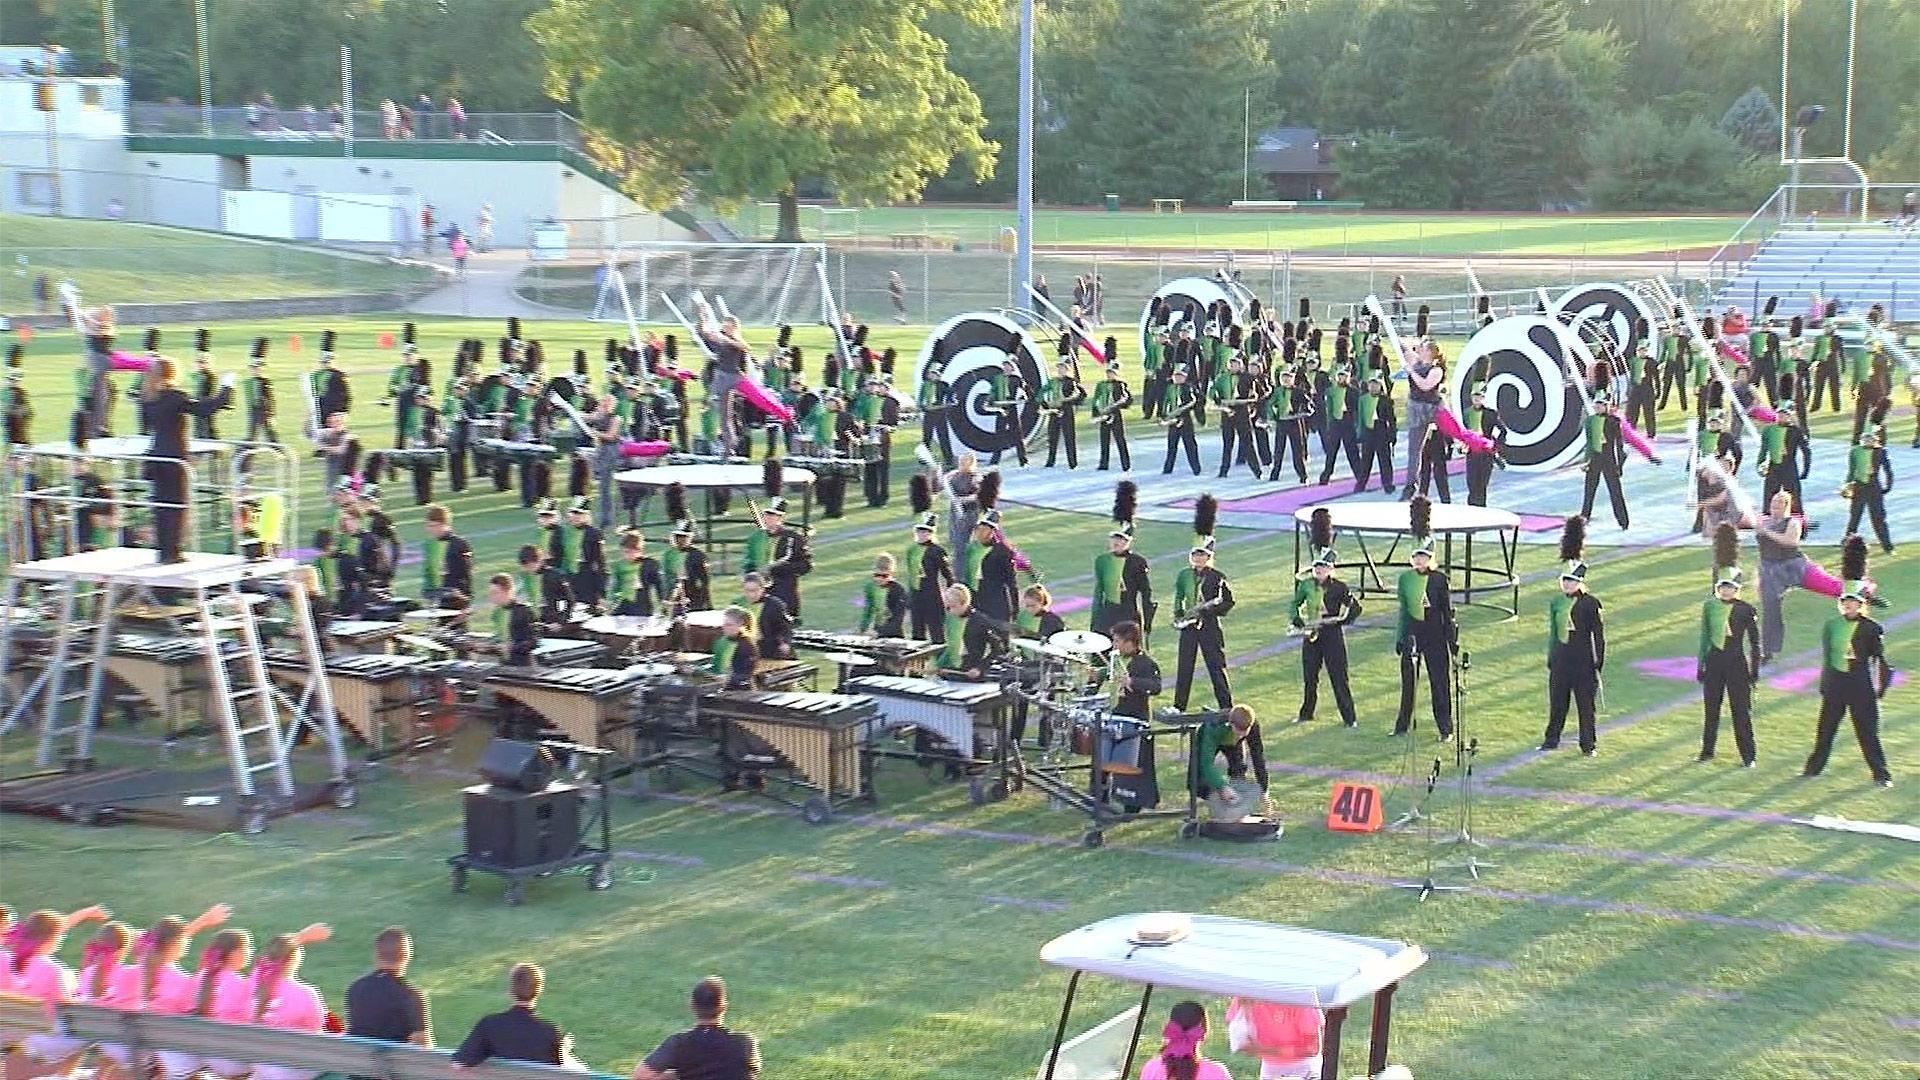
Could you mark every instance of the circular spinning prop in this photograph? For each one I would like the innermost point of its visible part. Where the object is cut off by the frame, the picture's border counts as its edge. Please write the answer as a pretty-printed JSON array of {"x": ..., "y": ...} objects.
[
  {"x": 1190, "y": 298},
  {"x": 1614, "y": 312},
  {"x": 1524, "y": 362},
  {"x": 970, "y": 349}
]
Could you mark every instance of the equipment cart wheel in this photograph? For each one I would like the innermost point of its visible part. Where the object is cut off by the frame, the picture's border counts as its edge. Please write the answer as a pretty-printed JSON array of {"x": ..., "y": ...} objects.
[
  {"x": 253, "y": 821},
  {"x": 459, "y": 879},
  {"x": 345, "y": 795},
  {"x": 816, "y": 810},
  {"x": 516, "y": 893},
  {"x": 601, "y": 877},
  {"x": 981, "y": 790},
  {"x": 1092, "y": 838},
  {"x": 1189, "y": 829}
]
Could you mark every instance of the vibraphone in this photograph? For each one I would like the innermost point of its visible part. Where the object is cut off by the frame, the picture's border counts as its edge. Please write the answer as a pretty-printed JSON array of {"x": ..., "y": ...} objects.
[
  {"x": 967, "y": 723},
  {"x": 819, "y": 738},
  {"x": 783, "y": 674},
  {"x": 167, "y": 671},
  {"x": 818, "y": 466},
  {"x": 374, "y": 694},
  {"x": 591, "y": 705},
  {"x": 363, "y": 635},
  {"x": 896, "y": 656}
]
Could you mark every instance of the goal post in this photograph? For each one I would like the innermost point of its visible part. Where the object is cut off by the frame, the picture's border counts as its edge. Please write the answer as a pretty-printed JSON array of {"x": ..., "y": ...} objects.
[{"x": 761, "y": 284}]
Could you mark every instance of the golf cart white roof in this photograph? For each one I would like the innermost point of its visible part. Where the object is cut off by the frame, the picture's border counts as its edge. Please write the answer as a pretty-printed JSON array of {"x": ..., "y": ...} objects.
[{"x": 1238, "y": 957}]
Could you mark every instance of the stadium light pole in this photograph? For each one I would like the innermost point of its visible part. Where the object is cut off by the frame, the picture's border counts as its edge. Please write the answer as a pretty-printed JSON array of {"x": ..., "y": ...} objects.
[{"x": 1023, "y": 169}]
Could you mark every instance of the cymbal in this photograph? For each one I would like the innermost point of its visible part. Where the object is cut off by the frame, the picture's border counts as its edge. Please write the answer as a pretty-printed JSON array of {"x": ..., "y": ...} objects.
[
  {"x": 414, "y": 641},
  {"x": 1083, "y": 642}
]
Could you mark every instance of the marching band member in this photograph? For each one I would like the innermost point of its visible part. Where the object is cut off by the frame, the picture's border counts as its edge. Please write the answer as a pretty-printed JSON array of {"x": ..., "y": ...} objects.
[
  {"x": 884, "y": 602},
  {"x": 684, "y": 569},
  {"x": 582, "y": 556},
  {"x": 638, "y": 583},
  {"x": 1201, "y": 598},
  {"x": 1324, "y": 599},
  {"x": 167, "y": 410},
  {"x": 1786, "y": 456},
  {"x": 1178, "y": 413},
  {"x": 1233, "y": 733},
  {"x": 446, "y": 558},
  {"x": 1485, "y": 419},
  {"x": 1139, "y": 675},
  {"x": 1606, "y": 455},
  {"x": 1377, "y": 424},
  {"x": 1153, "y": 361},
  {"x": 1007, "y": 393},
  {"x": 1122, "y": 582},
  {"x": 458, "y": 411},
  {"x": 1110, "y": 400},
  {"x": 1642, "y": 379},
  {"x": 1676, "y": 348},
  {"x": 1827, "y": 351},
  {"x": 1870, "y": 477},
  {"x": 936, "y": 427},
  {"x": 927, "y": 566},
  {"x": 1854, "y": 676},
  {"x": 257, "y": 394},
  {"x": 1235, "y": 402},
  {"x": 840, "y": 436},
  {"x": 1729, "y": 656},
  {"x": 870, "y": 407},
  {"x": 1426, "y": 631},
  {"x": 787, "y": 558},
  {"x": 326, "y": 386},
  {"x": 204, "y": 384},
  {"x": 1337, "y": 409},
  {"x": 768, "y": 618},
  {"x": 1576, "y": 645},
  {"x": 1060, "y": 398},
  {"x": 995, "y": 587},
  {"x": 16, "y": 410},
  {"x": 514, "y": 631},
  {"x": 1037, "y": 618},
  {"x": 542, "y": 582},
  {"x": 975, "y": 640},
  {"x": 400, "y": 384},
  {"x": 734, "y": 652}
]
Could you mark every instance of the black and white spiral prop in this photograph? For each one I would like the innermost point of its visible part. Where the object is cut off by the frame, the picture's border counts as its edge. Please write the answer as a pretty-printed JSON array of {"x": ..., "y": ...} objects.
[
  {"x": 969, "y": 349},
  {"x": 1188, "y": 299},
  {"x": 1614, "y": 312},
  {"x": 1524, "y": 360}
]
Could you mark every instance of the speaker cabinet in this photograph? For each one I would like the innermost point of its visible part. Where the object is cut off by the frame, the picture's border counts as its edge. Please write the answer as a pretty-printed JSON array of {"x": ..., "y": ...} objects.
[
  {"x": 512, "y": 829},
  {"x": 519, "y": 766}
]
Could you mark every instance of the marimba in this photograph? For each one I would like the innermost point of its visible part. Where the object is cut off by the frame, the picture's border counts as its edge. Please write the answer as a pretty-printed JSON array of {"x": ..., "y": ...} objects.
[
  {"x": 372, "y": 692},
  {"x": 896, "y": 656},
  {"x": 588, "y": 704},
  {"x": 966, "y": 724},
  {"x": 783, "y": 674},
  {"x": 167, "y": 671},
  {"x": 818, "y": 737},
  {"x": 363, "y": 635}
]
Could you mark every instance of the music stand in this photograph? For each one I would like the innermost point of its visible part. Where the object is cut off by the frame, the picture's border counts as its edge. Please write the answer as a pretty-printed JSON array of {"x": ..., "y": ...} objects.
[
  {"x": 1427, "y": 886},
  {"x": 1465, "y": 750}
]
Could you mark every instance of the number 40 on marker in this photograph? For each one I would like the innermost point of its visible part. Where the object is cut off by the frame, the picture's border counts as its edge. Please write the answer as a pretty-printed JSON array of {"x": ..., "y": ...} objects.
[{"x": 1354, "y": 808}]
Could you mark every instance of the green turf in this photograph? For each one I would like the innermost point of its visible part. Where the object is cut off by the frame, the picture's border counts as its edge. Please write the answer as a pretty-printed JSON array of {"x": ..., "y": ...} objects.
[
  {"x": 1346, "y": 233},
  {"x": 127, "y": 263},
  {"x": 1746, "y": 953}
]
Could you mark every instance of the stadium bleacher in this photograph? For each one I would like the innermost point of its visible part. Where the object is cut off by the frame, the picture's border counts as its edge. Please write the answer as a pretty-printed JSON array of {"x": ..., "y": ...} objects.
[{"x": 1858, "y": 267}]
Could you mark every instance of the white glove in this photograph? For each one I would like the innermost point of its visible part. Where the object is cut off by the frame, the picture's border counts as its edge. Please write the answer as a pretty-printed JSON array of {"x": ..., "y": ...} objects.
[{"x": 226, "y": 381}]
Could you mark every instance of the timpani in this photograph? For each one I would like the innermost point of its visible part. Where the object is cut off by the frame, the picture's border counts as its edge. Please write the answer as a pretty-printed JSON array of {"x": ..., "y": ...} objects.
[{"x": 1377, "y": 529}]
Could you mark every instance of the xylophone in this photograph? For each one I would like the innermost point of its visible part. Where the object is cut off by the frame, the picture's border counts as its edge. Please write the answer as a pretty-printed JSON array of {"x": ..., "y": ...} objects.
[
  {"x": 897, "y": 656},
  {"x": 363, "y": 635},
  {"x": 817, "y": 736},
  {"x": 591, "y": 705},
  {"x": 368, "y": 690},
  {"x": 965, "y": 716},
  {"x": 167, "y": 671}
]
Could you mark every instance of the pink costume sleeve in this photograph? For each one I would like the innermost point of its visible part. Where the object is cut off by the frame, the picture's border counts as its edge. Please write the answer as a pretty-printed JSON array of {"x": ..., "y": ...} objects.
[
  {"x": 764, "y": 401},
  {"x": 1816, "y": 579},
  {"x": 650, "y": 449},
  {"x": 666, "y": 371},
  {"x": 1733, "y": 352},
  {"x": 1452, "y": 428},
  {"x": 126, "y": 361},
  {"x": 1634, "y": 438},
  {"x": 1763, "y": 414},
  {"x": 1094, "y": 354}
]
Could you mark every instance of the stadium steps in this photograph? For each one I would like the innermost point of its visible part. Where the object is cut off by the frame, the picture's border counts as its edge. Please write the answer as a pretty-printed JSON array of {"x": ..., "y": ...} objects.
[
  {"x": 717, "y": 231},
  {"x": 1858, "y": 267}
]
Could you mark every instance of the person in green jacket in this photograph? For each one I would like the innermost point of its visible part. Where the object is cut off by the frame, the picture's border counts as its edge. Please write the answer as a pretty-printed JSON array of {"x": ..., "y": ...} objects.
[{"x": 1233, "y": 734}]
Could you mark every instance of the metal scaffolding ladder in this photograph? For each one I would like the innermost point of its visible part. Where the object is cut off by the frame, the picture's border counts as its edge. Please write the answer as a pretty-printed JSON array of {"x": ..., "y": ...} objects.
[{"x": 75, "y": 672}]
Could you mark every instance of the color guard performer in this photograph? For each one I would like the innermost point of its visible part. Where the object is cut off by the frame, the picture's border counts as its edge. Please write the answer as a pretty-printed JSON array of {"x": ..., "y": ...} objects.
[
  {"x": 927, "y": 568},
  {"x": 1110, "y": 400},
  {"x": 1201, "y": 598},
  {"x": 1854, "y": 676},
  {"x": 1576, "y": 645},
  {"x": 1323, "y": 607},
  {"x": 1426, "y": 633},
  {"x": 1729, "y": 656},
  {"x": 1122, "y": 583}
]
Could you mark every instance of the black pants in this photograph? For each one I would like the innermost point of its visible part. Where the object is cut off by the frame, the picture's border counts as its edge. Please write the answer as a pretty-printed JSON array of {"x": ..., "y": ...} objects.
[
  {"x": 1326, "y": 649},
  {"x": 1107, "y": 616},
  {"x": 1113, "y": 436},
  {"x": 1640, "y": 410},
  {"x": 402, "y": 412},
  {"x": 1826, "y": 377},
  {"x": 1151, "y": 393},
  {"x": 1181, "y": 436},
  {"x": 1852, "y": 696},
  {"x": 1236, "y": 441},
  {"x": 1598, "y": 469},
  {"x": 1767, "y": 375},
  {"x": 1674, "y": 377},
  {"x": 535, "y": 482},
  {"x": 257, "y": 423},
  {"x": 1063, "y": 428},
  {"x": 1007, "y": 435},
  {"x": 1732, "y": 682},
  {"x": 1869, "y": 498},
  {"x": 937, "y": 436},
  {"x": 169, "y": 480},
  {"x": 1782, "y": 477},
  {"x": 588, "y": 586},
  {"x": 457, "y": 460},
  {"x": 1433, "y": 471},
  {"x": 1376, "y": 450},
  {"x": 422, "y": 483},
  {"x": 1210, "y": 644},
  {"x": 1439, "y": 685},
  {"x": 502, "y": 473},
  {"x": 875, "y": 474},
  {"x": 1289, "y": 442},
  {"x": 1479, "y": 478},
  {"x": 833, "y": 494},
  {"x": 1340, "y": 438},
  {"x": 928, "y": 618},
  {"x": 579, "y": 476},
  {"x": 1239, "y": 753},
  {"x": 1567, "y": 684}
]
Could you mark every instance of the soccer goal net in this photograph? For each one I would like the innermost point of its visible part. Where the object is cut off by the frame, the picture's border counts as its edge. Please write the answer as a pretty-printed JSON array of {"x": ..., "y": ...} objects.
[{"x": 761, "y": 284}]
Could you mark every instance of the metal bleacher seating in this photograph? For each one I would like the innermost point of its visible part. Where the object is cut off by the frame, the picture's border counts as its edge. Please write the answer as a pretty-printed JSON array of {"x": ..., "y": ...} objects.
[
  {"x": 1858, "y": 267},
  {"x": 323, "y": 1054}
]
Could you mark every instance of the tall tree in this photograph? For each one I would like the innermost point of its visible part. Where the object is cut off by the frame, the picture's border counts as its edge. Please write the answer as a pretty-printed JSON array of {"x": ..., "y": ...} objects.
[
  {"x": 1532, "y": 134},
  {"x": 745, "y": 98},
  {"x": 1753, "y": 122}
]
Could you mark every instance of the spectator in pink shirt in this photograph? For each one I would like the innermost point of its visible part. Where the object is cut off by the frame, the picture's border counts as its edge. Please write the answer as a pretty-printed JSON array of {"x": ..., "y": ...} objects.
[
  {"x": 159, "y": 986},
  {"x": 226, "y": 993},
  {"x": 28, "y": 969},
  {"x": 281, "y": 1000},
  {"x": 1179, "y": 1057}
]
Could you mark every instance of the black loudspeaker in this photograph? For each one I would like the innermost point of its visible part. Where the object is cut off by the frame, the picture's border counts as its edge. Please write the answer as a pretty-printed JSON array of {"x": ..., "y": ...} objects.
[
  {"x": 517, "y": 766},
  {"x": 513, "y": 829}
]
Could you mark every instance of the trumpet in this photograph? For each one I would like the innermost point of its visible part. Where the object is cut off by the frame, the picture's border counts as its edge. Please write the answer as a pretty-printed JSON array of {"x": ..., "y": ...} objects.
[{"x": 1847, "y": 491}]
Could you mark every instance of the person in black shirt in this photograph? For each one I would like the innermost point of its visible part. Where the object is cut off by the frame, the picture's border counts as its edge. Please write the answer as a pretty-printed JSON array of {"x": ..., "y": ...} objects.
[
  {"x": 555, "y": 593},
  {"x": 707, "y": 1050},
  {"x": 513, "y": 622},
  {"x": 166, "y": 410},
  {"x": 886, "y": 601},
  {"x": 1139, "y": 676},
  {"x": 517, "y": 1034},
  {"x": 772, "y": 624},
  {"x": 382, "y": 1004},
  {"x": 737, "y": 647},
  {"x": 204, "y": 384},
  {"x": 983, "y": 638}
]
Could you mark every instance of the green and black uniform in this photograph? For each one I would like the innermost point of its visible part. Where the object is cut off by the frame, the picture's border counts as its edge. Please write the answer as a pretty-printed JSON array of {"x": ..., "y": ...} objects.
[
  {"x": 1122, "y": 590},
  {"x": 636, "y": 586},
  {"x": 927, "y": 573},
  {"x": 1576, "y": 654},
  {"x": 884, "y": 608},
  {"x": 1729, "y": 665},
  {"x": 447, "y": 567},
  {"x": 1853, "y": 677},
  {"x": 1606, "y": 455},
  {"x": 1869, "y": 478},
  {"x": 1110, "y": 400},
  {"x": 1425, "y": 636},
  {"x": 1336, "y": 607}
]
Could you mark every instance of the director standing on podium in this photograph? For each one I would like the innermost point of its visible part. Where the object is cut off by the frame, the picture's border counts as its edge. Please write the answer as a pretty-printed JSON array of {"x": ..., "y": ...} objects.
[{"x": 166, "y": 409}]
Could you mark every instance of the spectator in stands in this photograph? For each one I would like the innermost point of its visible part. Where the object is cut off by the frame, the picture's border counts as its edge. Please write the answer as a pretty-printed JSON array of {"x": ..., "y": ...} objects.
[
  {"x": 707, "y": 1050},
  {"x": 389, "y": 119},
  {"x": 159, "y": 984},
  {"x": 382, "y": 1004},
  {"x": 457, "y": 118},
  {"x": 28, "y": 969},
  {"x": 1179, "y": 1057},
  {"x": 457, "y": 247},
  {"x": 281, "y": 1000},
  {"x": 484, "y": 232},
  {"x": 309, "y": 117},
  {"x": 269, "y": 113},
  {"x": 426, "y": 229},
  {"x": 423, "y": 115},
  {"x": 336, "y": 120},
  {"x": 1040, "y": 286},
  {"x": 98, "y": 980},
  {"x": 1399, "y": 290},
  {"x": 518, "y": 1033}
]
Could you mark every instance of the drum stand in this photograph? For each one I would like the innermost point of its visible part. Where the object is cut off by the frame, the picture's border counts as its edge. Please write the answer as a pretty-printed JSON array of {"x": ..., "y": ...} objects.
[
  {"x": 1466, "y": 750},
  {"x": 1427, "y": 886}
]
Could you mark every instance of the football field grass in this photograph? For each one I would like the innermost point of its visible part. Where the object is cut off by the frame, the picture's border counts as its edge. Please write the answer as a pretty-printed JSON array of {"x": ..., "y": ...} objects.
[
  {"x": 1332, "y": 232},
  {"x": 1648, "y": 916}
]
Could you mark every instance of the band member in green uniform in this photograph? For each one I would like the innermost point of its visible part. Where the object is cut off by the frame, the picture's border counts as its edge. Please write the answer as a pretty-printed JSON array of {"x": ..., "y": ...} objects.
[
  {"x": 1870, "y": 477},
  {"x": 926, "y": 568},
  {"x": 975, "y": 641},
  {"x": 979, "y": 541},
  {"x": 1485, "y": 419},
  {"x": 734, "y": 654},
  {"x": 1576, "y": 645},
  {"x": 637, "y": 584},
  {"x": 1676, "y": 359},
  {"x": 205, "y": 385},
  {"x": 446, "y": 557},
  {"x": 514, "y": 629},
  {"x": 1606, "y": 454},
  {"x": 935, "y": 405},
  {"x": 1323, "y": 607},
  {"x": 583, "y": 555},
  {"x": 768, "y": 618},
  {"x": 757, "y": 551},
  {"x": 883, "y": 601},
  {"x": 1786, "y": 455},
  {"x": 1232, "y": 733},
  {"x": 1729, "y": 655},
  {"x": 1826, "y": 368},
  {"x": 1374, "y": 419},
  {"x": 1179, "y": 409},
  {"x": 787, "y": 558},
  {"x": 1110, "y": 400},
  {"x": 1153, "y": 361},
  {"x": 1426, "y": 633},
  {"x": 542, "y": 582},
  {"x": 257, "y": 393},
  {"x": 877, "y": 413},
  {"x": 1122, "y": 581},
  {"x": 1642, "y": 381},
  {"x": 1007, "y": 395},
  {"x": 1201, "y": 598},
  {"x": 996, "y": 588},
  {"x": 1340, "y": 436},
  {"x": 400, "y": 384},
  {"x": 1763, "y": 350},
  {"x": 1060, "y": 400},
  {"x": 683, "y": 570},
  {"x": 1854, "y": 676}
]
